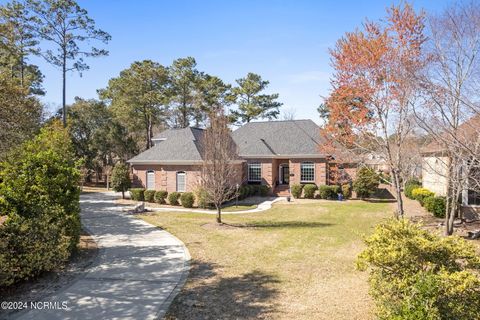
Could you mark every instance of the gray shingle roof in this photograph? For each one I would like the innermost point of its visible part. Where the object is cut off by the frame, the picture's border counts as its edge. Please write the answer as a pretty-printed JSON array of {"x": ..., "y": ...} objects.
[
  {"x": 292, "y": 138},
  {"x": 173, "y": 146},
  {"x": 278, "y": 138}
]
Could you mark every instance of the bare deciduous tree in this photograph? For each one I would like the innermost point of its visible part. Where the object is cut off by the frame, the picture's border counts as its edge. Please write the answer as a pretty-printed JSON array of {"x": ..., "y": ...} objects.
[
  {"x": 451, "y": 92},
  {"x": 220, "y": 163}
]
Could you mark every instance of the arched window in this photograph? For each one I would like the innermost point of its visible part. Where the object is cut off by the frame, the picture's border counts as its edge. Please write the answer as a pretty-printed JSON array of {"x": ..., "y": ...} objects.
[
  {"x": 181, "y": 181},
  {"x": 307, "y": 172},
  {"x": 150, "y": 180}
]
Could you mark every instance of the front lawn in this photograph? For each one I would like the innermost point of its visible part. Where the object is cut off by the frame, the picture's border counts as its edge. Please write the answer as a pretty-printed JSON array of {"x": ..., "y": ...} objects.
[
  {"x": 240, "y": 207},
  {"x": 293, "y": 261}
]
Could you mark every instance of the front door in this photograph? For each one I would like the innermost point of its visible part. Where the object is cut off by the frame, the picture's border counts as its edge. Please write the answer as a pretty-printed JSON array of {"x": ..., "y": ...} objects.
[{"x": 284, "y": 174}]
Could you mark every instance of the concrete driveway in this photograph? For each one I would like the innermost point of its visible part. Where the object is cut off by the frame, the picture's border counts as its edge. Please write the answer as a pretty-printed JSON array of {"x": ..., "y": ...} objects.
[{"x": 138, "y": 271}]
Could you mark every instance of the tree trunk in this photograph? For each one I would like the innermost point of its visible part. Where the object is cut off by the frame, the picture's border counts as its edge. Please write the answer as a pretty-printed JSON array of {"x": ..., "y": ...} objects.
[
  {"x": 219, "y": 214},
  {"x": 123, "y": 194},
  {"x": 64, "y": 89},
  {"x": 398, "y": 190},
  {"x": 150, "y": 132},
  {"x": 452, "y": 212},
  {"x": 453, "y": 191}
]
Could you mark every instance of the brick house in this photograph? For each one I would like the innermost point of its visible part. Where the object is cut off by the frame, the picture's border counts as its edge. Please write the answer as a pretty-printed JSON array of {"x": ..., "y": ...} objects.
[{"x": 273, "y": 153}]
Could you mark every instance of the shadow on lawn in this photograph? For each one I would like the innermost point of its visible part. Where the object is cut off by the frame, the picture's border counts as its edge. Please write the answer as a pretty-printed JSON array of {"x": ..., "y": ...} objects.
[
  {"x": 279, "y": 224},
  {"x": 209, "y": 295}
]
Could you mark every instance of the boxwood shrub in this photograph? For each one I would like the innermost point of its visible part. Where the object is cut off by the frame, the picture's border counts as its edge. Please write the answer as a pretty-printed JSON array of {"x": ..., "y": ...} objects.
[
  {"x": 187, "y": 199},
  {"x": 149, "y": 195},
  {"x": 137, "y": 194},
  {"x": 327, "y": 192},
  {"x": 296, "y": 190},
  {"x": 242, "y": 193},
  {"x": 409, "y": 186},
  {"x": 263, "y": 190},
  {"x": 202, "y": 199},
  {"x": 309, "y": 190},
  {"x": 336, "y": 189},
  {"x": 421, "y": 193},
  {"x": 435, "y": 205},
  {"x": 161, "y": 196},
  {"x": 173, "y": 198},
  {"x": 346, "y": 191}
]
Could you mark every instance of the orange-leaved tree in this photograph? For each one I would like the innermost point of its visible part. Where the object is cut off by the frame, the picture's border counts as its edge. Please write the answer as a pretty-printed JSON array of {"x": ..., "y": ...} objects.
[{"x": 369, "y": 108}]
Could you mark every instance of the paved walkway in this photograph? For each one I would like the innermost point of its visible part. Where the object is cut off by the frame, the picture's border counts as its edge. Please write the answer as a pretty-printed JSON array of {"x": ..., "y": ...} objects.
[
  {"x": 265, "y": 205},
  {"x": 138, "y": 271}
]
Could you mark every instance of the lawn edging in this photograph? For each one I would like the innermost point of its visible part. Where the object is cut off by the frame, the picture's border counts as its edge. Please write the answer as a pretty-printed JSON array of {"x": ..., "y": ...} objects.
[{"x": 183, "y": 278}]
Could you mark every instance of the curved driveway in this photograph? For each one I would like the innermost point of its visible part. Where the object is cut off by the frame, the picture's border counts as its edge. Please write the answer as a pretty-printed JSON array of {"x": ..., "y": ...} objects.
[{"x": 138, "y": 271}]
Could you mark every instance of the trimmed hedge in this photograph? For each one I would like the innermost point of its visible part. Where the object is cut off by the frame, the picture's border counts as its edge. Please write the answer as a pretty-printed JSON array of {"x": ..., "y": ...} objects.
[
  {"x": 296, "y": 190},
  {"x": 327, "y": 192},
  {"x": 187, "y": 199},
  {"x": 436, "y": 205},
  {"x": 263, "y": 190},
  {"x": 336, "y": 189},
  {"x": 149, "y": 195},
  {"x": 242, "y": 193},
  {"x": 137, "y": 194},
  {"x": 202, "y": 197},
  {"x": 173, "y": 198},
  {"x": 309, "y": 190},
  {"x": 249, "y": 190},
  {"x": 409, "y": 186},
  {"x": 161, "y": 196},
  {"x": 421, "y": 193}
]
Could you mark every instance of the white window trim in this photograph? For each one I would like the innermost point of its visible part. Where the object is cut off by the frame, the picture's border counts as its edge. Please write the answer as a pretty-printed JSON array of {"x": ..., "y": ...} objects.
[
  {"x": 185, "y": 181},
  {"x": 248, "y": 172},
  {"x": 307, "y": 181},
  {"x": 146, "y": 179}
]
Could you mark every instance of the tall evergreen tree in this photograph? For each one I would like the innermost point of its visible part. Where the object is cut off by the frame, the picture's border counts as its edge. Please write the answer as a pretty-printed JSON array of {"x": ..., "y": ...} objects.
[
  {"x": 252, "y": 104},
  {"x": 184, "y": 78},
  {"x": 18, "y": 41},
  {"x": 139, "y": 98},
  {"x": 213, "y": 96},
  {"x": 69, "y": 29}
]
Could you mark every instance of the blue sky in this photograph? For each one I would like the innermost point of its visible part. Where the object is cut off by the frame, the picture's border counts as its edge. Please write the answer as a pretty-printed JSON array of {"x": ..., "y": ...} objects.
[{"x": 286, "y": 42}]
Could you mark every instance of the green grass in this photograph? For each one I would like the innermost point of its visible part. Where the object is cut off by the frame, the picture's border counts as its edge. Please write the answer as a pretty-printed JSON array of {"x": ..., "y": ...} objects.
[
  {"x": 293, "y": 261},
  {"x": 240, "y": 207}
]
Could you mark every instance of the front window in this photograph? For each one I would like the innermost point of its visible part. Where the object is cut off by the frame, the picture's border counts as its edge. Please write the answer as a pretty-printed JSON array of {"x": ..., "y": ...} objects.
[
  {"x": 150, "y": 180},
  {"x": 473, "y": 198},
  {"x": 254, "y": 172},
  {"x": 307, "y": 172},
  {"x": 181, "y": 181},
  {"x": 473, "y": 192}
]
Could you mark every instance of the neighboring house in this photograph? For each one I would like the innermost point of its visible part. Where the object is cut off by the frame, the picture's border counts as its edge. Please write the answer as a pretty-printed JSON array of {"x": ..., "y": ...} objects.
[
  {"x": 274, "y": 153},
  {"x": 435, "y": 163},
  {"x": 376, "y": 162}
]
